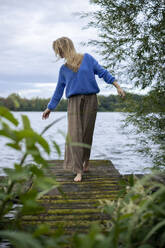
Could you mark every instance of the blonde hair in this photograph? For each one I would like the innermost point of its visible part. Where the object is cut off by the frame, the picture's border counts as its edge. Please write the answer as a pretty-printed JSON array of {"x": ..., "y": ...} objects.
[{"x": 64, "y": 48}]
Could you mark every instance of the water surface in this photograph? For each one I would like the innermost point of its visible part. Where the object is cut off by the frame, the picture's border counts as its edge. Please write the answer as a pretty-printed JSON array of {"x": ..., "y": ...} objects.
[{"x": 110, "y": 141}]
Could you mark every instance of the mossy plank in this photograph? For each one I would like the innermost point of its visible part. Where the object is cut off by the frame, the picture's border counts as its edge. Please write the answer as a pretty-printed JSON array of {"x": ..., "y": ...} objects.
[{"x": 80, "y": 207}]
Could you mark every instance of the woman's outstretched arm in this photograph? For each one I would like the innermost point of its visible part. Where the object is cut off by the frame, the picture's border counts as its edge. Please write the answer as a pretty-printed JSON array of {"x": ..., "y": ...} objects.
[{"x": 106, "y": 75}]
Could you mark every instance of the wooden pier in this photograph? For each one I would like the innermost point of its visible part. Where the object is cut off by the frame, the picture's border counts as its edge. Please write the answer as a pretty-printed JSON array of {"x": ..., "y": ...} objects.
[{"x": 79, "y": 208}]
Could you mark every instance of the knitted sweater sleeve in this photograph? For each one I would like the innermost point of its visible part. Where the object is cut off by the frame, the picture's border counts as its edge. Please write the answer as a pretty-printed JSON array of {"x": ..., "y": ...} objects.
[
  {"x": 58, "y": 92},
  {"x": 102, "y": 72}
]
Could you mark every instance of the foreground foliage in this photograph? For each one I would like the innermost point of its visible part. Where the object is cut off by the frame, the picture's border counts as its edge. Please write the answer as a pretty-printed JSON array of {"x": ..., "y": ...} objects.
[
  {"x": 24, "y": 184},
  {"x": 135, "y": 220}
]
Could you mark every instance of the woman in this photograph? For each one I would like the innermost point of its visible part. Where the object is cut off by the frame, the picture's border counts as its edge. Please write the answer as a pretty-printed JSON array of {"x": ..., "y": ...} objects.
[{"x": 78, "y": 76}]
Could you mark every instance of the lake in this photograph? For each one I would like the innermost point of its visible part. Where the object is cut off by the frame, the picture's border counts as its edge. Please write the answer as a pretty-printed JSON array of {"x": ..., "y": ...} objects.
[{"x": 110, "y": 141}]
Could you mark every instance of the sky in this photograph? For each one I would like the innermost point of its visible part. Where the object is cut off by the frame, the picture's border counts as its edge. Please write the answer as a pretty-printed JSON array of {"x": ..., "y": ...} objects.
[{"x": 27, "y": 29}]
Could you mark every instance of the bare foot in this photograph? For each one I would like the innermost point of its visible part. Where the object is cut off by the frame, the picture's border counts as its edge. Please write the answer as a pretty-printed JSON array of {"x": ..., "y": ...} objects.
[
  {"x": 78, "y": 177},
  {"x": 86, "y": 166}
]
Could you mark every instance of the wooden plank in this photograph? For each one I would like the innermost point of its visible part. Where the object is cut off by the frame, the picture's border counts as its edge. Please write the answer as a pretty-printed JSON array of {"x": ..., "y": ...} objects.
[{"x": 79, "y": 209}]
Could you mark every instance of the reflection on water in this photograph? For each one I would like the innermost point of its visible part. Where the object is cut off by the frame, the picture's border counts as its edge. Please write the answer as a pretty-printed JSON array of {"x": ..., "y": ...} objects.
[{"x": 110, "y": 141}]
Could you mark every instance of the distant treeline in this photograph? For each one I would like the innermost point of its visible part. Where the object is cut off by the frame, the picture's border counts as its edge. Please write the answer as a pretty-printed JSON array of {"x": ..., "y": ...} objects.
[{"x": 113, "y": 103}]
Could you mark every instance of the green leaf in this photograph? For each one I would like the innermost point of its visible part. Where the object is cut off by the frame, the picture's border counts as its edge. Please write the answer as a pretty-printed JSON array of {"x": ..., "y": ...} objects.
[
  {"x": 42, "y": 142},
  {"x": 79, "y": 144},
  {"x": 34, "y": 137},
  {"x": 15, "y": 146},
  {"x": 5, "y": 133},
  {"x": 19, "y": 173},
  {"x": 2, "y": 196},
  {"x": 36, "y": 171},
  {"x": 8, "y": 132},
  {"x": 40, "y": 194},
  {"x": 159, "y": 209},
  {"x": 126, "y": 216},
  {"x": 57, "y": 148},
  {"x": 131, "y": 179},
  {"x": 39, "y": 160},
  {"x": 159, "y": 225},
  {"x": 41, "y": 230},
  {"x": 29, "y": 201},
  {"x": 4, "y": 112},
  {"x": 45, "y": 183},
  {"x": 20, "y": 239},
  {"x": 51, "y": 124},
  {"x": 63, "y": 134},
  {"x": 26, "y": 122}
]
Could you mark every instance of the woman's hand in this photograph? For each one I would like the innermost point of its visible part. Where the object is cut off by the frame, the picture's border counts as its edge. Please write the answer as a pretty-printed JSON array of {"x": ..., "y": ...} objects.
[
  {"x": 119, "y": 90},
  {"x": 46, "y": 113}
]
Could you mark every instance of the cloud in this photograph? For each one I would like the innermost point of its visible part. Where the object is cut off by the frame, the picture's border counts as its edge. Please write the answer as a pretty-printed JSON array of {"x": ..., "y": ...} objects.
[{"x": 27, "y": 30}]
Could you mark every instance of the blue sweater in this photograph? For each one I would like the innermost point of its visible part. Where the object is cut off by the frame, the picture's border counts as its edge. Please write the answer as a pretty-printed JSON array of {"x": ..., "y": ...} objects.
[{"x": 81, "y": 82}]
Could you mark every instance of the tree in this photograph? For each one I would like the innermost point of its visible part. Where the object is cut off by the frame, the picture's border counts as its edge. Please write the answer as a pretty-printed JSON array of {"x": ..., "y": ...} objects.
[{"x": 131, "y": 42}]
